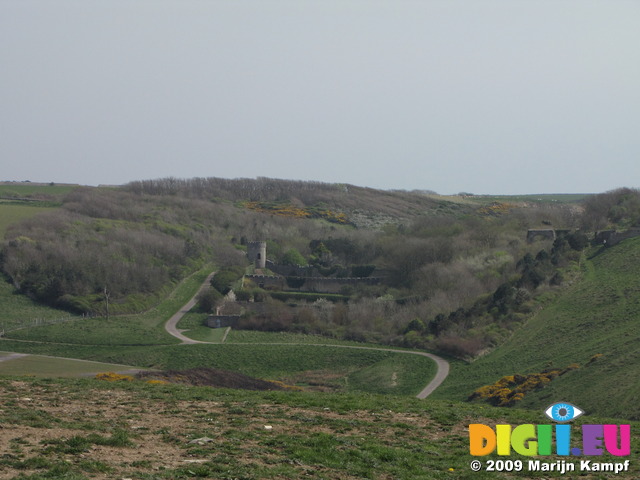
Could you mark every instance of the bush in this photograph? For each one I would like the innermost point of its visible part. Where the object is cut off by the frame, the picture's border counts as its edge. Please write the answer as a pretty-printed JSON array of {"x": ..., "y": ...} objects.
[
  {"x": 208, "y": 300},
  {"x": 459, "y": 347},
  {"x": 578, "y": 241},
  {"x": 224, "y": 279},
  {"x": 293, "y": 257}
]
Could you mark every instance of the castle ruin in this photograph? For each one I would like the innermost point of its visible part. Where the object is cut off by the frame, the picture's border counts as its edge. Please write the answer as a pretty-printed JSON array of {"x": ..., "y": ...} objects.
[{"x": 257, "y": 253}]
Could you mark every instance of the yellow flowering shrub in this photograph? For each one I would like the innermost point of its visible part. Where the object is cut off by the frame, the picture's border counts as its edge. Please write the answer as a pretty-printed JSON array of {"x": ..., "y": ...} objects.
[
  {"x": 288, "y": 210},
  {"x": 510, "y": 389},
  {"x": 285, "y": 386},
  {"x": 114, "y": 377}
]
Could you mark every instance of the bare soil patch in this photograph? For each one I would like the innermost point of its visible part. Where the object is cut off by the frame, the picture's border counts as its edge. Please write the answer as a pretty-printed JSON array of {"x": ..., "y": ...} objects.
[{"x": 210, "y": 377}]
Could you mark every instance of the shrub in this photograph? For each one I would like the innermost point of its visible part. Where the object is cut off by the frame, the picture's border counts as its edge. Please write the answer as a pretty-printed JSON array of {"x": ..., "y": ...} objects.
[
  {"x": 114, "y": 377},
  {"x": 208, "y": 300},
  {"x": 293, "y": 257},
  {"x": 224, "y": 279},
  {"x": 510, "y": 389}
]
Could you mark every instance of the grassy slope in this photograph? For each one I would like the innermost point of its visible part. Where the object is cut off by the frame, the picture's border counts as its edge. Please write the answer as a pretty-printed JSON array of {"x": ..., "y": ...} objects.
[
  {"x": 597, "y": 315},
  {"x": 140, "y": 340},
  {"x": 41, "y": 366},
  {"x": 351, "y": 369},
  {"x": 142, "y": 431},
  {"x": 143, "y": 329}
]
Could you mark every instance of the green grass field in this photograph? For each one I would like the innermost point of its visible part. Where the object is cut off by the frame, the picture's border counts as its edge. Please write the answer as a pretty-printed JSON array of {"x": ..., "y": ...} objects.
[
  {"x": 19, "y": 310},
  {"x": 557, "y": 198},
  {"x": 10, "y": 214},
  {"x": 193, "y": 324},
  {"x": 598, "y": 315},
  {"x": 142, "y": 329},
  {"x": 43, "y": 366},
  {"x": 338, "y": 368},
  {"x": 25, "y": 190}
]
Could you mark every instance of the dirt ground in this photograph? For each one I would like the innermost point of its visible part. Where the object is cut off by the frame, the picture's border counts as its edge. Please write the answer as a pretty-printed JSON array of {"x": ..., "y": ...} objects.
[
  {"x": 41, "y": 425},
  {"x": 210, "y": 377}
]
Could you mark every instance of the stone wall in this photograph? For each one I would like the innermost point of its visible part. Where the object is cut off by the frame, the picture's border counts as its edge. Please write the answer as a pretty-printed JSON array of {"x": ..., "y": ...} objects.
[
  {"x": 609, "y": 238},
  {"x": 546, "y": 233},
  {"x": 220, "y": 321},
  {"x": 309, "y": 284}
]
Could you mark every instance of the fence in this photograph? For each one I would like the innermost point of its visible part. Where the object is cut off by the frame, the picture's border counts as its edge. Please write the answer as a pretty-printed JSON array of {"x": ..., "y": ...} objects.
[{"x": 39, "y": 322}]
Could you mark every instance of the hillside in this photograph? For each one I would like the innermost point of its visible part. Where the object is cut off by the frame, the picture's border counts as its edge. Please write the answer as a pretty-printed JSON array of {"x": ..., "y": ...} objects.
[
  {"x": 80, "y": 429},
  {"x": 116, "y": 251},
  {"x": 594, "y": 323}
]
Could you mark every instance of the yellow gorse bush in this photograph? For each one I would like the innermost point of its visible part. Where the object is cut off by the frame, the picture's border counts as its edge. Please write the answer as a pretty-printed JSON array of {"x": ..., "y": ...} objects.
[
  {"x": 288, "y": 210},
  {"x": 114, "y": 377},
  {"x": 287, "y": 387},
  {"x": 512, "y": 388}
]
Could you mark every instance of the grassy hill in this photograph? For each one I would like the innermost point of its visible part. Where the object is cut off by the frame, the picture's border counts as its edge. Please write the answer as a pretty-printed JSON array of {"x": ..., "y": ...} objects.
[
  {"x": 141, "y": 341},
  {"x": 594, "y": 323},
  {"x": 80, "y": 429}
]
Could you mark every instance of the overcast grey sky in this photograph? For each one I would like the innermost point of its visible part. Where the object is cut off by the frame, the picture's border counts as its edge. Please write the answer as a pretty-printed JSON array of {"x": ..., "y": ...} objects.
[{"x": 514, "y": 96}]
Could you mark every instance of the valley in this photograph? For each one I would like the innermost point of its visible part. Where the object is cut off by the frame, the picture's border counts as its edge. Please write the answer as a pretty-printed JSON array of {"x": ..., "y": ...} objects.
[{"x": 460, "y": 285}]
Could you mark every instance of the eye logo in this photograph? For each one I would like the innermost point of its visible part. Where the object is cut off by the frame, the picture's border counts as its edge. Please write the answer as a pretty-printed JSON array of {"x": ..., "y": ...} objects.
[{"x": 563, "y": 412}]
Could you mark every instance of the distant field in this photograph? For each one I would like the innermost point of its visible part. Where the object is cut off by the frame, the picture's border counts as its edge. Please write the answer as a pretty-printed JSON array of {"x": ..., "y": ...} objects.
[
  {"x": 555, "y": 198},
  {"x": 29, "y": 189},
  {"x": 10, "y": 214},
  {"x": 539, "y": 198}
]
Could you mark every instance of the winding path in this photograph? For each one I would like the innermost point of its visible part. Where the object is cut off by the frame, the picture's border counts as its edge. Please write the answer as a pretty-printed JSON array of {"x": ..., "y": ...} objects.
[
  {"x": 171, "y": 325},
  {"x": 442, "y": 365}
]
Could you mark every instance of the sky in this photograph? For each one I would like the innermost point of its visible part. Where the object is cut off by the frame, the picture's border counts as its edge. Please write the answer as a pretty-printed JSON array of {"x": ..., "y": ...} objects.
[{"x": 479, "y": 96}]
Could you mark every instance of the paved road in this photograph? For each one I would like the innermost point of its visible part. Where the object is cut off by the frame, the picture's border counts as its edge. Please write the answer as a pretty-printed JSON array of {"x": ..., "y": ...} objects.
[
  {"x": 170, "y": 326},
  {"x": 441, "y": 363},
  {"x": 441, "y": 374},
  {"x": 11, "y": 356}
]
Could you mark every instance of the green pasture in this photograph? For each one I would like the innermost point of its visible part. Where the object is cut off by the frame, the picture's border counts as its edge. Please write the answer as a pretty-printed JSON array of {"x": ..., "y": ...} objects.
[
  {"x": 45, "y": 366},
  {"x": 25, "y": 190},
  {"x": 557, "y": 198}
]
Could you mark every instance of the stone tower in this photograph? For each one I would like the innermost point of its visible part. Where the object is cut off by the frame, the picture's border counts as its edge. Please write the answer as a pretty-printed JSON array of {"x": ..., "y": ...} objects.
[{"x": 257, "y": 253}]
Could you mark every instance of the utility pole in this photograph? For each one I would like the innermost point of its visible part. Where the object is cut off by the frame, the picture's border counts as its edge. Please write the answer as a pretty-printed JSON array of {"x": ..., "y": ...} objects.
[{"x": 106, "y": 301}]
